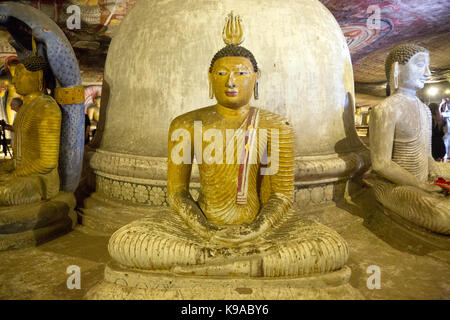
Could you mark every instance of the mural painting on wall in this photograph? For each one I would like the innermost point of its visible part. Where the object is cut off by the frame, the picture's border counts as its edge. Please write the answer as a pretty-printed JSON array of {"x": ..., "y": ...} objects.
[
  {"x": 103, "y": 15},
  {"x": 6, "y": 50},
  {"x": 370, "y": 25},
  {"x": 7, "y": 90}
]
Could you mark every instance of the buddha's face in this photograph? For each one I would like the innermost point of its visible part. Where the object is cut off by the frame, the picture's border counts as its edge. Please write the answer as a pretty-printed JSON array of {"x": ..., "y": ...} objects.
[
  {"x": 233, "y": 80},
  {"x": 25, "y": 81},
  {"x": 415, "y": 72}
]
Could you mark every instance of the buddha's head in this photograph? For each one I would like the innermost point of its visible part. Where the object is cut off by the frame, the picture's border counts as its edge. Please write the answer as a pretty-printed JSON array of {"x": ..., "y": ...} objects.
[
  {"x": 29, "y": 75},
  {"x": 233, "y": 74},
  {"x": 407, "y": 66}
]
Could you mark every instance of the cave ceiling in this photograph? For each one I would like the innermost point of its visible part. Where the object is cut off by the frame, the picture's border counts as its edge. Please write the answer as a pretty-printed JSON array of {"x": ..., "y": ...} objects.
[{"x": 425, "y": 22}]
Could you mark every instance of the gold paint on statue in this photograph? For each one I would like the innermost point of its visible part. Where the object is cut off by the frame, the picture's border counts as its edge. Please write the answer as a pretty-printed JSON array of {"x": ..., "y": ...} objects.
[
  {"x": 70, "y": 95},
  {"x": 233, "y": 32},
  {"x": 243, "y": 222},
  {"x": 32, "y": 174}
]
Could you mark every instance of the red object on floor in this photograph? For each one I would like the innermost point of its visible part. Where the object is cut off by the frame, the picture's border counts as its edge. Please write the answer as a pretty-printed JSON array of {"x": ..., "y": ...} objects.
[{"x": 441, "y": 182}]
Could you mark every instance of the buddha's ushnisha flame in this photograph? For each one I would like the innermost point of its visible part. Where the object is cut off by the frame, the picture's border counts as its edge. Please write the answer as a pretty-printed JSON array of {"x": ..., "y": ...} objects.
[{"x": 233, "y": 33}]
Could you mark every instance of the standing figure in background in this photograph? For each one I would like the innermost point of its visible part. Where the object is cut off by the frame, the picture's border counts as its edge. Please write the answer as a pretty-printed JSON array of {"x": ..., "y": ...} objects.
[
  {"x": 3, "y": 113},
  {"x": 87, "y": 128},
  {"x": 446, "y": 114},
  {"x": 439, "y": 129},
  {"x": 16, "y": 103}
]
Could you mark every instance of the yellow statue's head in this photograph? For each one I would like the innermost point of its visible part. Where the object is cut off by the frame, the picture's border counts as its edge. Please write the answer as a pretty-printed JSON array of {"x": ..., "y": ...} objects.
[
  {"x": 233, "y": 72},
  {"x": 233, "y": 80},
  {"x": 29, "y": 76}
]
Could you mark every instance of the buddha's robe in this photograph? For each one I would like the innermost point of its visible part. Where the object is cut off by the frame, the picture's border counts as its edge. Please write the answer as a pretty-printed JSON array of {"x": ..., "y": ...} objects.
[
  {"x": 412, "y": 151},
  {"x": 32, "y": 174},
  {"x": 228, "y": 196}
]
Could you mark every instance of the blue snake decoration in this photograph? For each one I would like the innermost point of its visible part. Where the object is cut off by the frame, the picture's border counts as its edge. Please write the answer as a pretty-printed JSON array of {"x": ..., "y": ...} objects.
[{"x": 64, "y": 65}]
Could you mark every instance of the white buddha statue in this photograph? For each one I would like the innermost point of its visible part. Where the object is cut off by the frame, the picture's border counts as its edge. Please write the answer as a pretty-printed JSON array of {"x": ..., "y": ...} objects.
[{"x": 400, "y": 143}]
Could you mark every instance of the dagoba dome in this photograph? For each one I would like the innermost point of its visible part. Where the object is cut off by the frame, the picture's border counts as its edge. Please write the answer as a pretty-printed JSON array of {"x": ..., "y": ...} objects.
[{"x": 157, "y": 67}]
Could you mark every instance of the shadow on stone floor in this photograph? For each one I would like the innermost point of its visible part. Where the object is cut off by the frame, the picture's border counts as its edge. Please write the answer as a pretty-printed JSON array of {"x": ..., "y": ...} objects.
[
  {"x": 81, "y": 245},
  {"x": 40, "y": 273},
  {"x": 422, "y": 243}
]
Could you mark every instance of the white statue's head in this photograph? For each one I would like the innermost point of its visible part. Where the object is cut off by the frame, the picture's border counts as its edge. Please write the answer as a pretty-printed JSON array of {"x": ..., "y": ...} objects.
[{"x": 407, "y": 66}]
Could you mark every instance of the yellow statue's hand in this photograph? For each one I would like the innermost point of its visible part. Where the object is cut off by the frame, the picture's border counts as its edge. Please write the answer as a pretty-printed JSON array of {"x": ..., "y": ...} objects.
[
  {"x": 239, "y": 233},
  {"x": 200, "y": 224},
  {"x": 192, "y": 214}
]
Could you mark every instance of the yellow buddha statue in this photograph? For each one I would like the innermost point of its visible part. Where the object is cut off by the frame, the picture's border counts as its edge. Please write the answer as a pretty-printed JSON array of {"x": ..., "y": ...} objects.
[
  {"x": 32, "y": 174},
  {"x": 243, "y": 223}
]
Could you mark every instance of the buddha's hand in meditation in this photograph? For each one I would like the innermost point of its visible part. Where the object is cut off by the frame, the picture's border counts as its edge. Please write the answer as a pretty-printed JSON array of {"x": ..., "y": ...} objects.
[
  {"x": 201, "y": 224},
  {"x": 234, "y": 234}
]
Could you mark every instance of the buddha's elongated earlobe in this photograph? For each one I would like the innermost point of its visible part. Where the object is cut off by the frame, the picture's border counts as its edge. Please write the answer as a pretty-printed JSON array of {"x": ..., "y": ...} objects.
[
  {"x": 255, "y": 90},
  {"x": 40, "y": 79},
  {"x": 396, "y": 71},
  {"x": 211, "y": 91}
]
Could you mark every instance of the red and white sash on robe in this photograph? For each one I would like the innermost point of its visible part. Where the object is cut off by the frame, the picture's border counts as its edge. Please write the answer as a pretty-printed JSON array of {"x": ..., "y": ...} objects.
[{"x": 247, "y": 157}]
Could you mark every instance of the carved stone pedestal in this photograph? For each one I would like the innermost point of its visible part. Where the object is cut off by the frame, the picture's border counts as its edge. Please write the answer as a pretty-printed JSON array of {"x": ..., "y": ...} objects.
[
  {"x": 405, "y": 235},
  {"x": 120, "y": 284},
  {"x": 394, "y": 229},
  {"x": 30, "y": 225}
]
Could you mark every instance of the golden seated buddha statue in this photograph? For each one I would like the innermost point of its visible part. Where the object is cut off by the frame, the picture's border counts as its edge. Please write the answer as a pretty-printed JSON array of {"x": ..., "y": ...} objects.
[
  {"x": 30, "y": 178},
  {"x": 243, "y": 223},
  {"x": 32, "y": 174},
  {"x": 400, "y": 142}
]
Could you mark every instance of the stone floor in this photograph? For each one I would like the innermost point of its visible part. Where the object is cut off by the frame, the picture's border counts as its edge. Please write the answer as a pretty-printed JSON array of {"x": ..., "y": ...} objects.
[{"x": 40, "y": 273}]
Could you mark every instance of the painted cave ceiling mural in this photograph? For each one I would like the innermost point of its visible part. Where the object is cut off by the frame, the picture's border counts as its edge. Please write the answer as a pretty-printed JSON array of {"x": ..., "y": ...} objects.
[{"x": 426, "y": 22}]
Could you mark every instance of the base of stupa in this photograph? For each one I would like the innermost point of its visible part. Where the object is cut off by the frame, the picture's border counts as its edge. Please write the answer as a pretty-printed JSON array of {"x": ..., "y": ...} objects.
[
  {"x": 33, "y": 224},
  {"x": 128, "y": 284},
  {"x": 106, "y": 216}
]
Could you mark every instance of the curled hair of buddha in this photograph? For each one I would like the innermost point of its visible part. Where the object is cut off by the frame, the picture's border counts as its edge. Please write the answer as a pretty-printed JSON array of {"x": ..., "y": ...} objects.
[
  {"x": 34, "y": 63},
  {"x": 233, "y": 50},
  {"x": 401, "y": 54}
]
